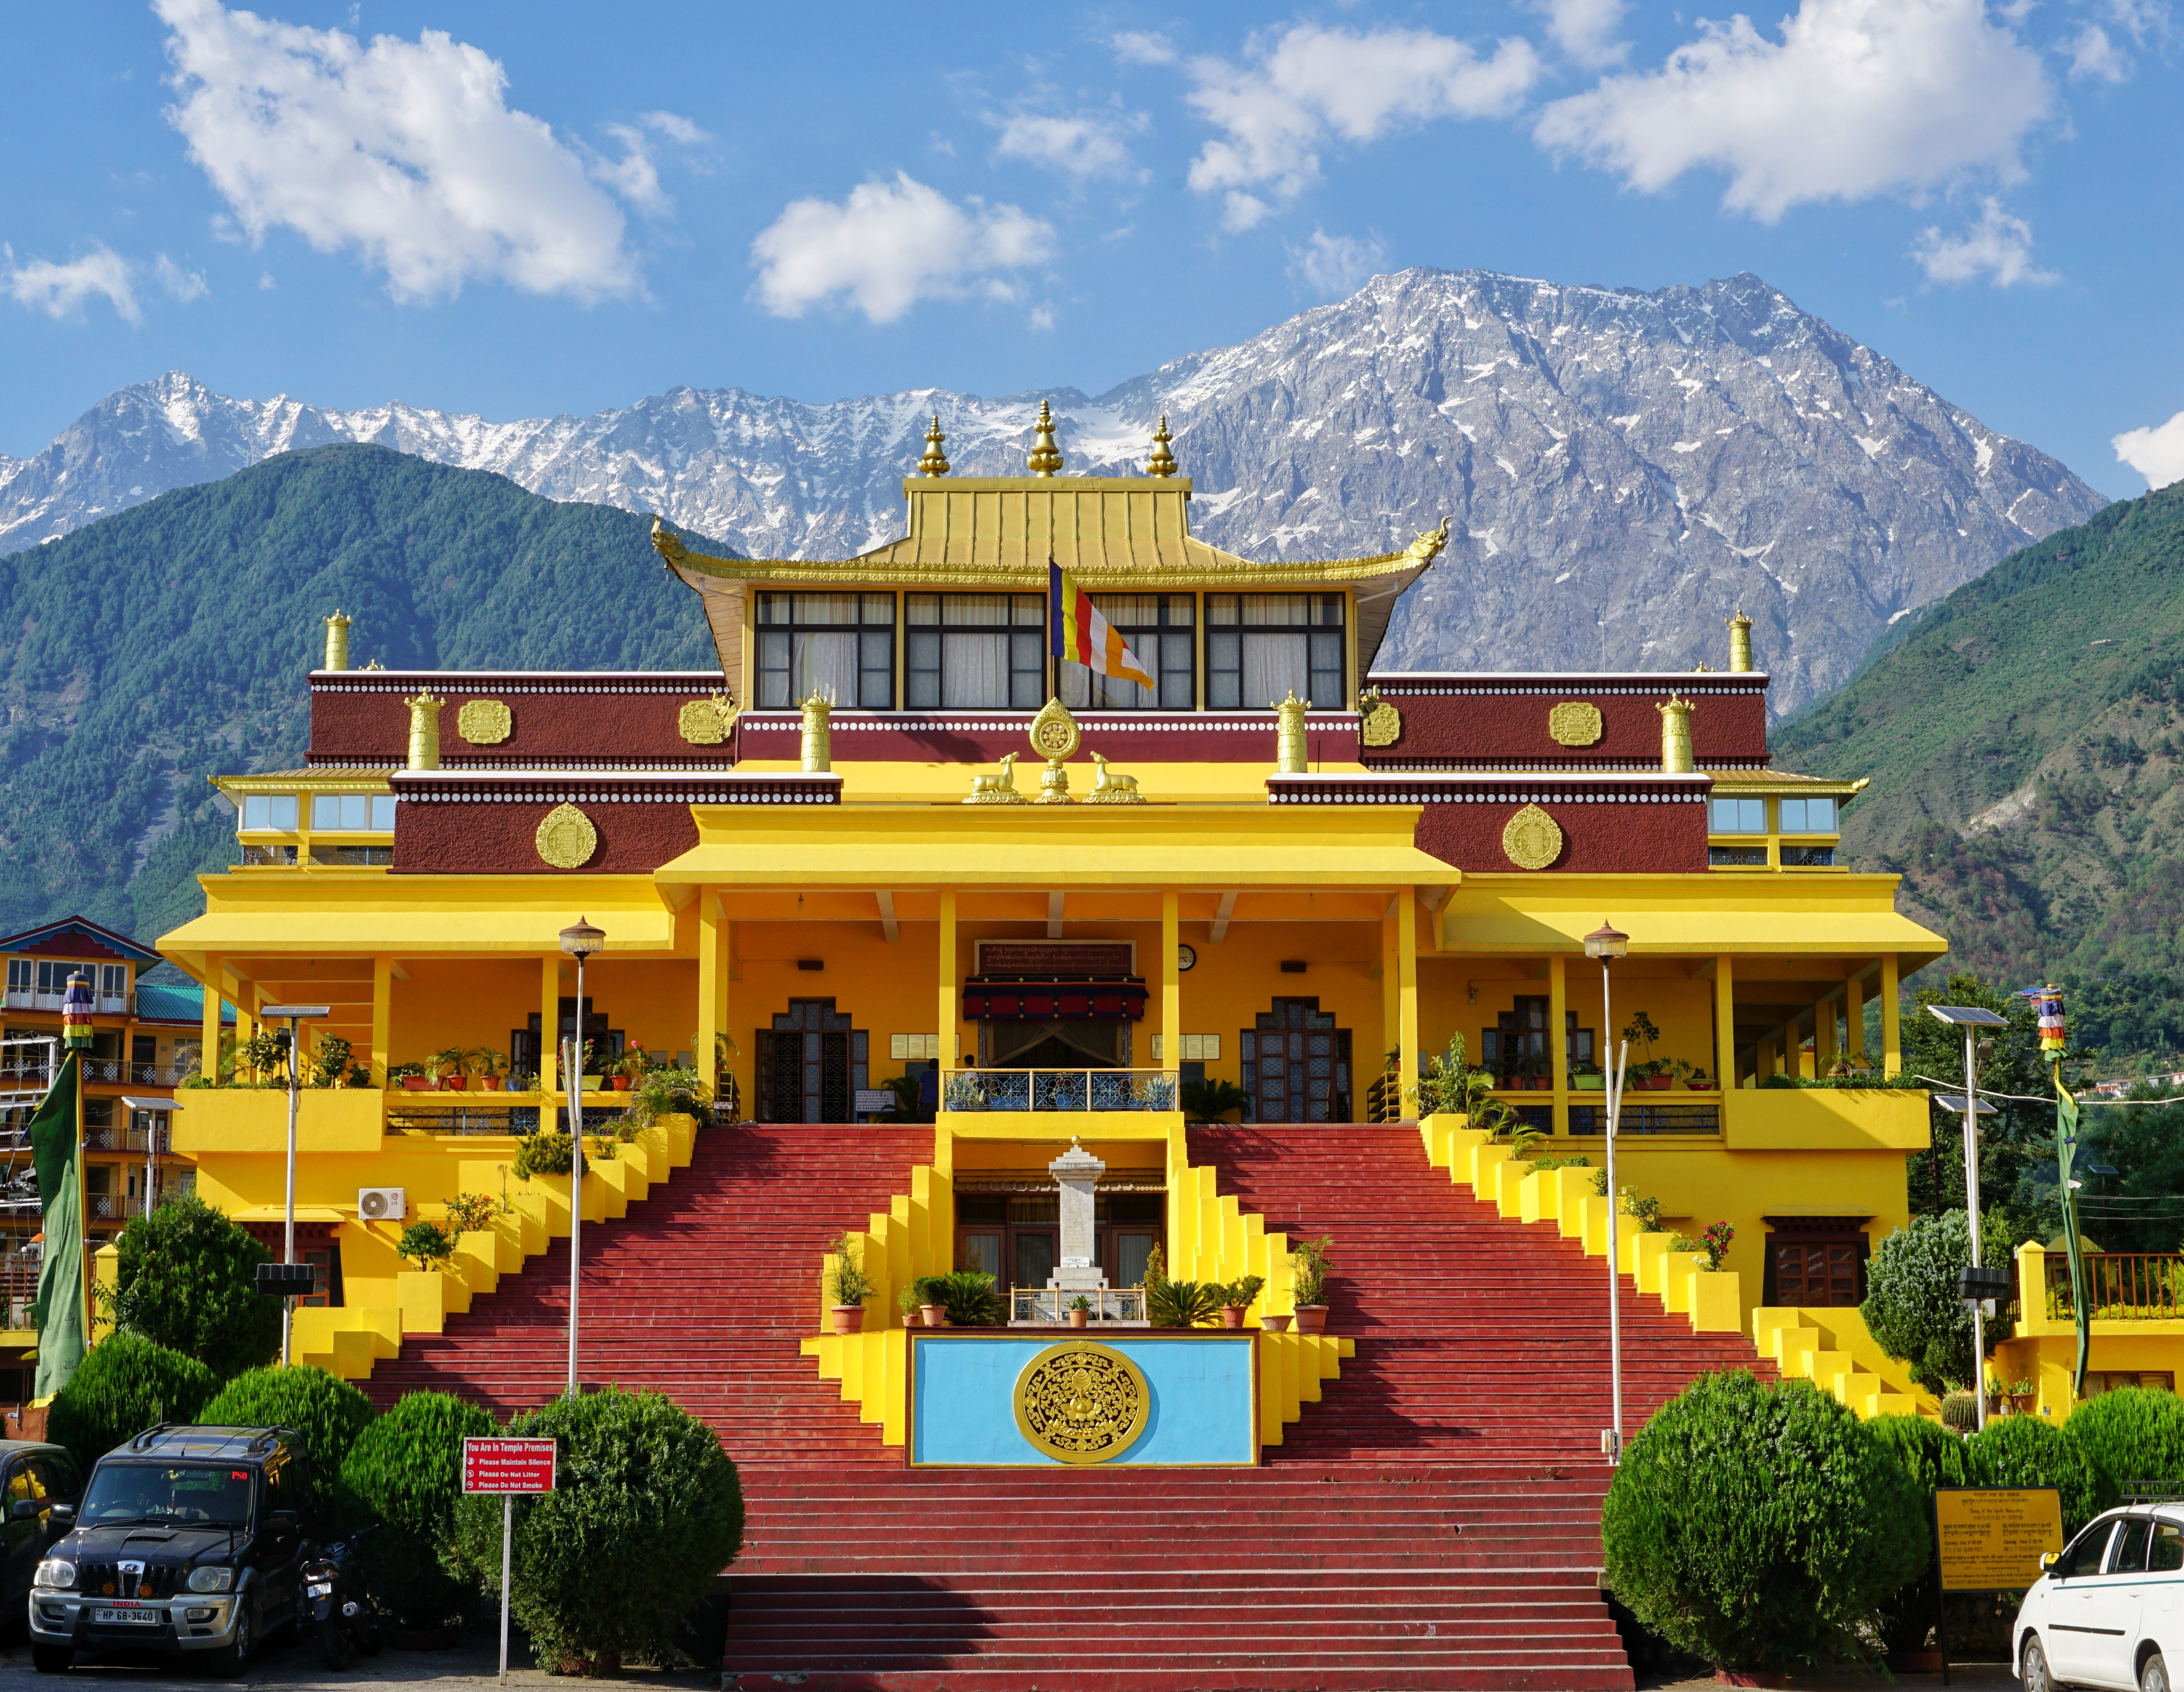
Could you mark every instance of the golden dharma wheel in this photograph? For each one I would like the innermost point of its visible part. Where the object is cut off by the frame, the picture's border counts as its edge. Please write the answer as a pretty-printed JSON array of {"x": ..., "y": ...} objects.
[{"x": 1082, "y": 1402}]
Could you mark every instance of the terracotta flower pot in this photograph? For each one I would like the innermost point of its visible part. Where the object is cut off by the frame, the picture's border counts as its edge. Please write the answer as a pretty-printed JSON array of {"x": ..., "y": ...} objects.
[
  {"x": 1232, "y": 1315},
  {"x": 490, "y": 1083},
  {"x": 1653, "y": 1083},
  {"x": 849, "y": 1318},
  {"x": 1078, "y": 1318},
  {"x": 1275, "y": 1324},
  {"x": 418, "y": 1084},
  {"x": 935, "y": 1317},
  {"x": 453, "y": 1083},
  {"x": 622, "y": 1083},
  {"x": 1311, "y": 1319}
]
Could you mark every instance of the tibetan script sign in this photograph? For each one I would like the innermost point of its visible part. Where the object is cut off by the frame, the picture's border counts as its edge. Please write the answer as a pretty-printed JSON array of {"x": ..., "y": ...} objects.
[
  {"x": 508, "y": 1465},
  {"x": 1992, "y": 1537}
]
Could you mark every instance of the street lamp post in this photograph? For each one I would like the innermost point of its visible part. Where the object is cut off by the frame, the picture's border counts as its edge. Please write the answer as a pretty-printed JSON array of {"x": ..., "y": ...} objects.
[
  {"x": 579, "y": 941},
  {"x": 1607, "y": 943},
  {"x": 1973, "y": 1286},
  {"x": 294, "y": 1016},
  {"x": 151, "y": 1107}
]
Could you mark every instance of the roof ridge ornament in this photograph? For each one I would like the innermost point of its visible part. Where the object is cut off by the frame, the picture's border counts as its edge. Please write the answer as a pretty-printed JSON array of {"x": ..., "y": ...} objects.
[
  {"x": 1163, "y": 462},
  {"x": 935, "y": 462},
  {"x": 1427, "y": 544},
  {"x": 1045, "y": 458},
  {"x": 1739, "y": 641}
]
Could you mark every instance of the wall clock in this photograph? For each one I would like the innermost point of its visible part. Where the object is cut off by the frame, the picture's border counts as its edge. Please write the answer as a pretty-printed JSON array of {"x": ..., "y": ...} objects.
[{"x": 1185, "y": 956}]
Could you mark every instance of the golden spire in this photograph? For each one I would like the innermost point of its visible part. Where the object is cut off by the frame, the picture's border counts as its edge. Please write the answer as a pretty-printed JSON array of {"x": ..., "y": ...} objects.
[
  {"x": 1045, "y": 458},
  {"x": 336, "y": 642},
  {"x": 1163, "y": 462},
  {"x": 1676, "y": 758},
  {"x": 935, "y": 462},
  {"x": 1739, "y": 641}
]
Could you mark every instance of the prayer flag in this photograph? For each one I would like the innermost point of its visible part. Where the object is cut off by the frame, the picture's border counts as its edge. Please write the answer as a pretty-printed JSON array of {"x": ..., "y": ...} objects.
[
  {"x": 57, "y": 1313},
  {"x": 1082, "y": 635}
]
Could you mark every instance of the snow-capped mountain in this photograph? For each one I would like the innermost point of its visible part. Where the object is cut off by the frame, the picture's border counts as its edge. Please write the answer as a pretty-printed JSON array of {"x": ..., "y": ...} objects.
[{"x": 1624, "y": 469}]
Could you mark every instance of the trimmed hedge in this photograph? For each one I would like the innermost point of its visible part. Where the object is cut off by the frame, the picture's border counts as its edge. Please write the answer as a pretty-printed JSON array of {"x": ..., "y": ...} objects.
[
  {"x": 185, "y": 1278},
  {"x": 406, "y": 1470},
  {"x": 2133, "y": 1440},
  {"x": 327, "y": 1411},
  {"x": 124, "y": 1385},
  {"x": 1760, "y": 1528},
  {"x": 2031, "y": 1451}
]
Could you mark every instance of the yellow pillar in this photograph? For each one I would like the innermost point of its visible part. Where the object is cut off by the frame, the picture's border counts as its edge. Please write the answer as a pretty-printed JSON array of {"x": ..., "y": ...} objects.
[
  {"x": 1171, "y": 979},
  {"x": 1725, "y": 1024},
  {"x": 382, "y": 1017},
  {"x": 1824, "y": 1034},
  {"x": 1390, "y": 1013},
  {"x": 1558, "y": 1040},
  {"x": 209, "y": 1024},
  {"x": 950, "y": 1011},
  {"x": 1763, "y": 1060},
  {"x": 712, "y": 986},
  {"x": 1854, "y": 1020},
  {"x": 549, "y": 1026},
  {"x": 1407, "y": 997},
  {"x": 1892, "y": 1035}
]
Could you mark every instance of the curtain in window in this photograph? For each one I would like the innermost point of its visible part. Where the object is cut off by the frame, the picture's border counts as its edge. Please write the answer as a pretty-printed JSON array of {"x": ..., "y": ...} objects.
[
  {"x": 827, "y": 664},
  {"x": 1275, "y": 667},
  {"x": 974, "y": 671}
]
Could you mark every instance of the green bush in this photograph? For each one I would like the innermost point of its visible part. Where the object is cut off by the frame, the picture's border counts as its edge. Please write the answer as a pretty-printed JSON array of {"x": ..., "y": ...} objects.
[
  {"x": 1760, "y": 1528},
  {"x": 1911, "y": 1306},
  {"x": 2031, "y": 1451},
  {"x": 328, "y": 1412},
  {"x": 648, "y": 1511},
  {"x": 1932, "y": 1457},
  {"x": 187, "y": 1280},
  {"x": 125, "y": 1385},
  {"x": 405, "y": 1471},
  {"x": 2133, "y": 1439},
  {"x": 1183, "y": 1303},
  {"x": 969, "y": 1298}
]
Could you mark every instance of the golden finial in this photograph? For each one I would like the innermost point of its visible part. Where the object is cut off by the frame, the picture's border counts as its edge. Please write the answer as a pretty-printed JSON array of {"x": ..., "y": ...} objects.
[
  {"x": 1045, "y": 458},
  {"x": 336, "y": 642},
  {"x": 1163, "y": 462},
  {"x": 1739, "y": 641},
  {"x": 1676, "y": 757},
  {"x": 935, "y": 462},
  {"x": 424, "y": 729}
]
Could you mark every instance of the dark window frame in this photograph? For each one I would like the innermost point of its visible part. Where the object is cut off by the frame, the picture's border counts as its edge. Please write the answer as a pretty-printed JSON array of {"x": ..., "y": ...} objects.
[
  {"x": 1224, "y": 642},
  {"x": 773, "y": 650}
]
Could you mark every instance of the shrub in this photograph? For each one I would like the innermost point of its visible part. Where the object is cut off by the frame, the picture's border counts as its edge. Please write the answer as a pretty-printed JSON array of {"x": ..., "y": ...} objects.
[
  {"x": 847, "y": 1283},
  {"x": 2031, "y": 1451},
  {"x": 1760, "y": 1527},
  {"x": 127, "y": 1384},
  {"x": 647, "y": 1511},
  {"x": 1183, "y": 1303},
  {"x": 2133, "y": 1439},
  {"x": 328, "y": 1412},
  {"x": 968, "y": 1296},
  {"x": 1927, "y": 1452},
  {"x": 468, "y": 1213},
  {"x": 1911, "y": 1306},
  {"x": 428, "y": 1242},
  {"x": 1308, "y": 1271},
  {"x": 406, "y": 1471},
  {"x": 186, "y": 1279}
]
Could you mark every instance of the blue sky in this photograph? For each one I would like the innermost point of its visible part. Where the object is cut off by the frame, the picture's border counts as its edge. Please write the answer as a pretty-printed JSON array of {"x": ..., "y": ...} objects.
[{"x": 551, "y": 207}]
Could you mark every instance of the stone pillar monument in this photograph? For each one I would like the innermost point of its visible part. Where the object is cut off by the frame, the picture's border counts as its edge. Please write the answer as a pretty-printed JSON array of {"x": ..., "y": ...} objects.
[{"x": 1078, "y": 1171}]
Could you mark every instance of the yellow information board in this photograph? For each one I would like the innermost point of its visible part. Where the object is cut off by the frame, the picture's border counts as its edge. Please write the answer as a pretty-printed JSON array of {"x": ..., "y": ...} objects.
[{"x": 1992, "y": 1537}]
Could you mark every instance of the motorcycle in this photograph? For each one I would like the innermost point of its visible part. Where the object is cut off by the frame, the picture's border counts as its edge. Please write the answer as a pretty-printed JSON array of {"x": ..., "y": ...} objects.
[{"x": 342, "y": 1612}]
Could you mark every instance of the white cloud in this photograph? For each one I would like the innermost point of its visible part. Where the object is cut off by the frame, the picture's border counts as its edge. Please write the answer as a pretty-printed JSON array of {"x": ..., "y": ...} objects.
[
  {"x": 2095, "y": 58},
  {"x": 1998, "y": 245},
  {"x": 635, "y": 176},
  {"x": 183, "y": 285},
  {"x": 1142, "y": 47},
  {"x": 405, "y": 150},
  {"x": 1585, "y": 29},
  {"x": 679, "y": 130},
  {"x": 60, "y": 290},
  {"x": 1858, "y": 97},
  {"x": 265, "y": 280},
  {"x": 1090, "y": 144},
  {"x": 2157, "y": 454},
  {"x": 889, "y": 245},
  {"x": 1296, "y": 91},
  {"x": 1332, "y": 265}
]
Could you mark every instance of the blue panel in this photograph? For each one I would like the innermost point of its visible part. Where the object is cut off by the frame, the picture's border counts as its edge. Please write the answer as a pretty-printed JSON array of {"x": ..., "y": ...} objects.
[{"x": 965, "y": 1394}]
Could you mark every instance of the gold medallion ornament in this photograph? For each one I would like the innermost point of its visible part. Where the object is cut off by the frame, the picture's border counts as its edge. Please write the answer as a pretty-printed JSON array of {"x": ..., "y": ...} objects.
[
  {"x": 567, "y": 839},
  {"x": 1382, "y": 724},
  {"x": 1532, "y": 840},
  {"x": 705, "y": 722},
  {"x": 1082, "y": 1402},
  {"x": 484, "y": 722},
  {"x": 1054, "y": 733},
  {"x": 1574, "y": 722}
]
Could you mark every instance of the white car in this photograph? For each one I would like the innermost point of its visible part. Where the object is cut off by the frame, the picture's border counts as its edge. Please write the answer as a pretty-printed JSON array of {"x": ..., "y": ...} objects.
[{"x": 2109, "y": 1608}]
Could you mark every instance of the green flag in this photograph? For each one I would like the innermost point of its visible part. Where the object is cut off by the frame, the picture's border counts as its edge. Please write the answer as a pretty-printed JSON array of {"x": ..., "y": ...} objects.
[
  {"x": 2066, "y": 1156},
  {"x": 58, "y": 1311}
]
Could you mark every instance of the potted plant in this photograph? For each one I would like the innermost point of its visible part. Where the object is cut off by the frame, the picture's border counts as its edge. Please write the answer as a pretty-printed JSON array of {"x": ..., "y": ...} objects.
[
  {"x": 1308, "y": 1272},
  {"x": 1274, "y": 1324},
  {"x": 906, "y": 1300},
  {"x": 849, "y": 1286},
  {"x": 1692, "y": 1075},
  {"x": 633, "y": 1065},
  {"x": 932, "y": 1299},
  {"x": 1714, "y": 1243},
  {"x": 410, "y": 1077},
  {"x": 489, "y": 1067},
  {"x": 1651, "y": 1073},
  {"x": 1080, "y": 1312},
  {"x": 1236, "y": 1298},
  {"x": 1588, "y": 1078}
]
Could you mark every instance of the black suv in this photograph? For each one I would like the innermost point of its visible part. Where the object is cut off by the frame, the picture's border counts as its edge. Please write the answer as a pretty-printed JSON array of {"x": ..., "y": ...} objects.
[{"x": 189, "y": 1542}]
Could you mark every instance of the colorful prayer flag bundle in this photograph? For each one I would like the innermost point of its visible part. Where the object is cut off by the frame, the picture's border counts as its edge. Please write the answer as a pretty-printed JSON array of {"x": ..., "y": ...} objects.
[
  {"x": 1082, "y": 636},
  {"x": 2047, "y": 1006},
  {"x": 76, "y": 1013}
]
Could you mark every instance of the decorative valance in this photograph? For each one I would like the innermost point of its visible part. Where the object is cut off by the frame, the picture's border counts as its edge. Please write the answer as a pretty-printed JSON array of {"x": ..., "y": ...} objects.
[{"x": 1012, "y": 999}]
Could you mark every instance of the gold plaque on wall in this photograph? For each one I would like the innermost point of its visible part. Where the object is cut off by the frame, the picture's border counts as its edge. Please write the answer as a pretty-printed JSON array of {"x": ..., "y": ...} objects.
[
  {"x": 1574, "y": 722},
  {"x": 1532, "y": 840},
  {"x": 1382, "y": 725},
  {"x": 704, "y": 722},
  {"x": 484, "y": 722},
  {"x": 567, "y": 839},
  {"x": 1082, "y": 1402}
]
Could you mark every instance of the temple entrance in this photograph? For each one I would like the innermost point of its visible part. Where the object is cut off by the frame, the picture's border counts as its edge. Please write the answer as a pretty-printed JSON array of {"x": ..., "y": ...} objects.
[
  {"x": 1296, "y": 1064},
  {"x": 1016, "y": 1238},
  {"x": 811, "y": 1064},
  {"x": 1077, "y": 1045}
]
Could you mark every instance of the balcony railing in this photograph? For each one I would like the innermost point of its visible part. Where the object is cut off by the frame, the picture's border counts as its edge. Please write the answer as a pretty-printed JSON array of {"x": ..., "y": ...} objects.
[
  {"x": 1058, "y": 1090},
  {"x": 1051, "y": 1304},
  {"x": 126, "y": 1073},
  {"x": 2122, "y": 1286}
]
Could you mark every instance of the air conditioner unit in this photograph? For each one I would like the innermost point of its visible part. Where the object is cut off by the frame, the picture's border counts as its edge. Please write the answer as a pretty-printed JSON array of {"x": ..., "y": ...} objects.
[{"x": 381, "y": 1204}]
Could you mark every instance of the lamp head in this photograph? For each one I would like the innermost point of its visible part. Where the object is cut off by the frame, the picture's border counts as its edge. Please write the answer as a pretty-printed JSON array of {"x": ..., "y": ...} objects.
[
  {"x": 582, "y": 940},
  {"x": 294, "y": 1013},
  {"x": 1607, "y": 941}
]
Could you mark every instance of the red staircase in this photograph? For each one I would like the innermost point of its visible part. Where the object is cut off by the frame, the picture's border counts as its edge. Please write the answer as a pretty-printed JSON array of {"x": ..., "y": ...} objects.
[{"x": 1433, "y": 1523}]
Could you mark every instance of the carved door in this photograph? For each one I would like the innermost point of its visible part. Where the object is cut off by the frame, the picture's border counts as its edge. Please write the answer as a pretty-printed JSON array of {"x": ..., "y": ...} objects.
[{"x": 1297, "y": 1064}]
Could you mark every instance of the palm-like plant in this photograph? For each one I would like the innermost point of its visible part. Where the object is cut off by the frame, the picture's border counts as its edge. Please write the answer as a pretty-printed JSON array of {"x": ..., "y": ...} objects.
[
  {"x": 1183, "y": 1303},
  {"x": 1210, "y": 1100},
  {"x": 968, "y": 1296}
]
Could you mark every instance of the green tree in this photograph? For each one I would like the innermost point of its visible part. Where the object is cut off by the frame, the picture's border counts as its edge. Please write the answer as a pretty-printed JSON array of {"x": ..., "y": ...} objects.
[
  {"x": 406, "y": 1471},
  {"x": 187, "y": 1280},
  {"x": 648, "y": 1511},
  {"x": 2133, "y": 1440},
  {"x": 1911, "y": 1306},
  {"x": 126, "y": 1385},
  {"x": 1760, "y": 1528},
  {"x": 327, "y": 1411}
]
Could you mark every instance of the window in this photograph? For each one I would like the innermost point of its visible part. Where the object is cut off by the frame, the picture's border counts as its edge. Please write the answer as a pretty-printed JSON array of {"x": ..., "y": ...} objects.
[
  {"x": 1809, "y": 816},
  {"x": 2168, "y": 1555},
  {"x": 840, "y": 646},
  {"x": 1809, "y": 856},
  {"x": 2130, "y": 1546},
  {"x": 1736, "y": 858},
  {"x": 1259, "y": 648},
  {"x": 354, "y": 812},
  {"x": 269, "y": 811},
  {"x": 1159, "y": 629},
  {"x": 1826, "y": 1269},
  {"x": 2099, "y": 1380},
  {"x": 351, "y": 856},
  {"x": 112, "y": 980},
  {"x": 1197, "y": 1048},
  {"x": 52, "y": 975},
  {"x": 974, "y": 651},
  {"x": 1739, "y": 817},
  {"x": 2084, "y": 1555},
  {"x": 19, "y": 974}
]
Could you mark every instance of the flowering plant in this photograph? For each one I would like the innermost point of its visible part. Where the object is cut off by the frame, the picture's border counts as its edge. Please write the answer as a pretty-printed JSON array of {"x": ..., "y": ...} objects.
[{"x": 1714, "y": 1243}]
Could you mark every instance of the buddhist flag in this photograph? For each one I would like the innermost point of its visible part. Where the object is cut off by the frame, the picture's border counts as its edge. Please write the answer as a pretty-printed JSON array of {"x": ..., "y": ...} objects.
[{"x": 1082, "y": 635}]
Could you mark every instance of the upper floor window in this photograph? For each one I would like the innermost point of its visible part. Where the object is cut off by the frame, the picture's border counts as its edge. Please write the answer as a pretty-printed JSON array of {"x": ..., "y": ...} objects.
[
  {"x": 1259, "y": 648},
  {"x": 53, "y": 974},
  {"x": 1807, "y": 816},
  {"x": 19, "y": 974},
  {"x": 1739, "y": 817},
  {"x": 269, "y": 811},
  {"x": 354, "y": 812},
  {"x": 1159, "y": 629},
  {"x": 974, "y": 651},
  {"x": 112, "y": 980},
  {"x": 840, "y": 646}
]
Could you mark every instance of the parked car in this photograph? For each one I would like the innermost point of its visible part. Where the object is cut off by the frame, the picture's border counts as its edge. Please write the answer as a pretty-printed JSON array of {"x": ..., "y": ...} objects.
[
  {"x": 2109, "y": 1608},
  {"x": 189, "y": 1542},
  {"x": 33, "y": 1479}
]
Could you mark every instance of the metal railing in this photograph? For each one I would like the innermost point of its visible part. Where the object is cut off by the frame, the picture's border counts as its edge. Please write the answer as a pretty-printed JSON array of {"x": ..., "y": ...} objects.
[
  {"x": 1646, "y": 1119},
  {"x": 136, "y": 1075},
  {"x": 2121, "y": 1287},
  {"x": 1051, "y": 1304},
  {"x": 1058, "y": 1090}
]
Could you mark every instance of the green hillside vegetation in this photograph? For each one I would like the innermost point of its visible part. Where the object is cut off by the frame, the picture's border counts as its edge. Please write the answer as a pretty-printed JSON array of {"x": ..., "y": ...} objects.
[
  {"x": 170, "y": 641},
  {"x": 2026, "y": 740}
]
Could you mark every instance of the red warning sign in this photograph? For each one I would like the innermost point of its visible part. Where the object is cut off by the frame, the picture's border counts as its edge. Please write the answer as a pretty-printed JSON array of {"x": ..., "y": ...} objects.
[{"x": 508, "y": 1465}]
